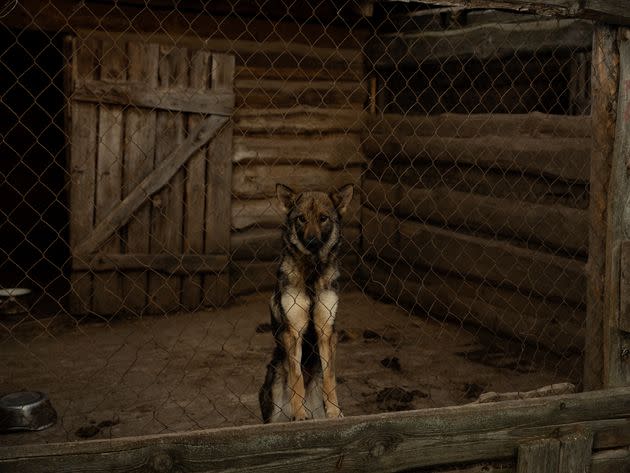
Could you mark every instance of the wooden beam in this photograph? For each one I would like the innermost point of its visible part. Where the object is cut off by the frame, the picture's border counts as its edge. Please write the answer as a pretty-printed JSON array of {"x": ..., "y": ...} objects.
[
  {"x": 162, "y": 263},
  {"x": 137, "y": 94},
  {"x": 534, "y": 124},
  {"x": 624, "y": 288},
  {"x": 296, "y": 120},
  {"x": 160, "y": 176},
  {"x": 540, "y": 456},
  {"x": 617, "y": 345},
  {"x": 481, "y": 42},
  {"x": 604, "y": 80},
  {"x": 552, "y": 226},
  {"x": 566, "y": 158},
  {"x": 333, "y": 151},
  {"x": 575, "y": 452},
  {"x": 611, "y": 461},
  {"x": 384, "y": 442}
]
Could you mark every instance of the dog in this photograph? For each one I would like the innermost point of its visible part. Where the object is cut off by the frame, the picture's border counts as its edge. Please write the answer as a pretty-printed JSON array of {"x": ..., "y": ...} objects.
[{"x": 300, "y": 383}]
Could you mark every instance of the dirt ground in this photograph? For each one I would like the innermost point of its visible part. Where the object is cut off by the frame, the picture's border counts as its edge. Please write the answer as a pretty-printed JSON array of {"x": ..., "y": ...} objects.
[{"x": 181, "y": 372}]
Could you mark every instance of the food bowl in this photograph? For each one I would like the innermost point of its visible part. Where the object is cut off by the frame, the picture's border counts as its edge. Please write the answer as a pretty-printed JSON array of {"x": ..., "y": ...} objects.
[
  {"x": 14, "y": 300},
  {"x": 26, "y": 410}
]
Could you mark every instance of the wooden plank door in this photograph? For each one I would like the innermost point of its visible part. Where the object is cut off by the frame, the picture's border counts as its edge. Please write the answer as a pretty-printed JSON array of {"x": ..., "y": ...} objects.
[{"x": 150, "y": 158}]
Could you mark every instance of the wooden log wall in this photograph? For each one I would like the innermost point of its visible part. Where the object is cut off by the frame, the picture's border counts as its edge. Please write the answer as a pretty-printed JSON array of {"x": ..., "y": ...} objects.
[
  {"x": 466, "y": 218},
  {"x": 297, "y": 122}
]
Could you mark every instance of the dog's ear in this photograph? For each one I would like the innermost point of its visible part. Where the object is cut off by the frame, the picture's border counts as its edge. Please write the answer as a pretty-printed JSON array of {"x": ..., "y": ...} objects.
[
  {"x": 342, "y": 198},
  {"x": 285, "y": 196}
]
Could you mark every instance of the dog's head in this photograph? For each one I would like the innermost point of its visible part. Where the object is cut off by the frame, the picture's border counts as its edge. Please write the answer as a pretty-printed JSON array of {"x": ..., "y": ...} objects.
[{"x": 314, "y": 218}]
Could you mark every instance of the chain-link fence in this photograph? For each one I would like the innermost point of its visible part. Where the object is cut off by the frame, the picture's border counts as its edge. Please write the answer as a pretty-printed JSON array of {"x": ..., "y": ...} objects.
[{"x": 141, "y": 234}]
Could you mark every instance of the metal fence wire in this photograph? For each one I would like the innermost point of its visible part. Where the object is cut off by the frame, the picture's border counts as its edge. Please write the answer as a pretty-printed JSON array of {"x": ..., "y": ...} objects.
[{"x": 140, "y": 233}]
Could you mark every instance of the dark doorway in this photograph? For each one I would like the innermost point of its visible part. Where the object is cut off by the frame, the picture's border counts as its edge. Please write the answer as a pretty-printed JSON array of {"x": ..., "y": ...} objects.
[{"x": 33, "y": 174}]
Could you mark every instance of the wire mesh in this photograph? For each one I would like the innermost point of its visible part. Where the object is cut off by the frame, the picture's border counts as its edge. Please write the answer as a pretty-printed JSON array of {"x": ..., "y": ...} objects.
[{"x": 141, "y": 148}]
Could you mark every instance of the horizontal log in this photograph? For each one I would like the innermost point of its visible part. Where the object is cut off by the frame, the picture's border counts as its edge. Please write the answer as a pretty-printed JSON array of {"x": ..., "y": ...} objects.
[
  {"x": 333, "y": 151},
  {"x": 258, "y": 181},
  {"x": 297, "y": 120},
  {"x": 474, "y": 180},
  {"x": 384, "y": 442},
  {"x": 266, "y": 68},
  {"x": 282, "y": 94},
  {"x": 247, "y": 277},
  {"x": 265, "y": 213},
  {"x": 611, "y": 461},
  {"x": 139, "y": 95},
  {"x": 263, "y": 244},
  {"x": 535, "y": 124},
  {"x": 162, "y": 263},
  {"x": 567, "y": 158},
  {"x": 557, "y": 327},
  {"x": 482, "y": 42},
  {"x": 555, "y": 227},
  {"x": 489, "y": 260}
]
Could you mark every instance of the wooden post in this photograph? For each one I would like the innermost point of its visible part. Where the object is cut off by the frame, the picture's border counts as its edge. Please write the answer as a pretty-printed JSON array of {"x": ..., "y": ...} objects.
[
  {"x": 616, "y": 324},
  {"x": 604, "y": 80}
]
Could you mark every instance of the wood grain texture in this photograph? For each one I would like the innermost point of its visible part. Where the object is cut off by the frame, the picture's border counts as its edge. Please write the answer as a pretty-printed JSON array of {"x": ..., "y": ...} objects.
[
  {"x": 536, "y": 321},
  {"x": 575, "y": 452},
  {"x": 139, "y": 95},
  {"x": 82, "y": 128},
  {"x": 617, "y": 367},
  {"x": 158, "y": 178},
  {"x": 332, "y": 151},
  {"x": 541, "y": 456},
  {"x": 605, "y": 73},
  {"x": 139, "y": 153},
  {"x": 611, "y": 461},
  {"x": 108, "y": 291},
  {"x": 161, "y": 263},
  {"x": 554, "y": 227},
  {"x": 566, "y": 158},
  {"x": 481, "y": 42},
  {"x": 195, "y": 186},
  {"x": 384, "y": 442},
  {"x": 292, "y": 121}
]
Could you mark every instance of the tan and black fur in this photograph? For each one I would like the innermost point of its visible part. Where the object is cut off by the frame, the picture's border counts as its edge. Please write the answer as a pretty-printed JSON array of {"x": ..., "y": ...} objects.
[{"x": 300, "y": 382}]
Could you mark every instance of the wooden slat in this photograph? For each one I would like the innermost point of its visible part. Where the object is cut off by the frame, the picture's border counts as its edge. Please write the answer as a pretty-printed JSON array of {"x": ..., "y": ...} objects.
[
  {"x": 138, "y": 95},
  {"x": 265, "y": 213},
  {"x": 535, "y": 124},
  {"x": 617, "y": 343},
  {"x": 564, "y": 158},
  {"x": 605, "y": 73},
  {"x": 263, "y": 244},
  {"x": 259, "y": 181},
  {"x": 152, "y": 183},
  {"x": 195, "y": 194},
  {"x": 489, "y": 260},
  {"x": 167, "y": 215},
  {"x": 219, "y": 189},
  {"x": 168, "y": 264},
  {"x": 541, "y": 456},
  {"x": 384, "y": 442},
  {"x": 611, "y": 461},
  {"x": 296, "y": 120},
  {"x": 624, "y": 287},
  {"x": 575, "y": 452},
  {"x": 332, "y": 151},
  {"x": 82, "y": 129},
  {"x": 554, "y": 226},
  {"x": 140, "y": 139},
  {"x": 481, "y": 42},
  {"x": 108, "y": 290},
  {"x": 533, "y": 320}
]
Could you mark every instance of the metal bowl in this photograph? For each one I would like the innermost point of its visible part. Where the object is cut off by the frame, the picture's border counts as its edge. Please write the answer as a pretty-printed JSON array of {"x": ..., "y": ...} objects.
[
  {"x": 26, "y": 410},
  {"x": 14, "y": 300}
]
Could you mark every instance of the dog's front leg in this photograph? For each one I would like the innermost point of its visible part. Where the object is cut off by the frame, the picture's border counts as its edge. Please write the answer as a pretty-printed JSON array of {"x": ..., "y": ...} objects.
[
  {"x": 296, "y": 306},
  {"x": 324, "y": 318}
]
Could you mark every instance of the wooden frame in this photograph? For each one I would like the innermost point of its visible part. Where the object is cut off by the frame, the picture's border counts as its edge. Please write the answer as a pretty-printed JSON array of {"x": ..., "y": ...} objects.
[{"x": 491, "y": 432}]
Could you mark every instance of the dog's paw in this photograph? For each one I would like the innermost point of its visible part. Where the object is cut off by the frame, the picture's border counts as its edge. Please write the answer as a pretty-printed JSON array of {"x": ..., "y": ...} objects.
[
  {"x": 334, "y": 413},
  {"x": 299, "y": 416}
]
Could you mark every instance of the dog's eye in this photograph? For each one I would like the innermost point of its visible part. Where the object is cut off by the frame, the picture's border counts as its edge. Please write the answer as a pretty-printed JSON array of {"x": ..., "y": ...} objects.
[
  {"x": 301, "y": 219},
  {"x": 323, "y": 218}
]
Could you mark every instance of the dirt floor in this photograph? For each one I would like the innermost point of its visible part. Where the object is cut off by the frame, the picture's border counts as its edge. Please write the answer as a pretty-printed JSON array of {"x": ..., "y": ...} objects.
[{"x": 203, "y": 370}]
